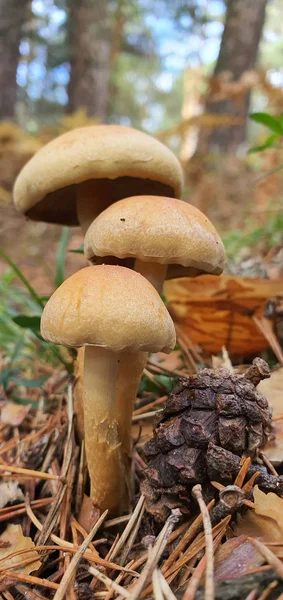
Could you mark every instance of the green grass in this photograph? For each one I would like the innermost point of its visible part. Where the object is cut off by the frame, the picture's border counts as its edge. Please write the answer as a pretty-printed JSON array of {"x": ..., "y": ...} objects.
[{"x": 269, "y": 235}]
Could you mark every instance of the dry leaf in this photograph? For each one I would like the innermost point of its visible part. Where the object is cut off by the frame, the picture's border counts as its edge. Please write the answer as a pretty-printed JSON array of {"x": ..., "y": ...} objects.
[
  {"x": 273, "y": 390},
  {"x": 13, "y": 535},
  {"x": 274, "y": 448},
  {"x": 14, "y": 414},
  {"x": 10, "y": 493},
  {"x": 219, "y": 362},
  {"x": 265, "y": 521},
  {"x": 88, "y": 514},
  {"x": 217, "y": 311},
  {"x": 236, "y": 557},
  {"x": 170, "y": 361},
  {"x": 142, "y": 431}
]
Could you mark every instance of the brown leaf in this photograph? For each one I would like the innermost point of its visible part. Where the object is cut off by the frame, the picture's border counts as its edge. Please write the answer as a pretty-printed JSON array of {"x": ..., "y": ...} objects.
[
  {"x": 235, "y": 557},
  {"x": 16, "y": 542},
  {"x": 217, "y": 311},
  {"x": 14, "y": 414},
  {"x": 142, "y": 431},
  {"x": 272, "y": 388},
  {"x": 170, "y": 361},
  {"x": 266, "y": 521},
  {"x": 88, "y": 514}
]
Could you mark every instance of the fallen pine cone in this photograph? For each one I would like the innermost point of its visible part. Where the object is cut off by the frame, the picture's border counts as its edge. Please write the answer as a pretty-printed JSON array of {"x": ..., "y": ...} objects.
[{"x": 210, "y": 420}]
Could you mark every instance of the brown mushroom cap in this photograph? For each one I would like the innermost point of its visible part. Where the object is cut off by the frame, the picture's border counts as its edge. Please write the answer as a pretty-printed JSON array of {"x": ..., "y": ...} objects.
[
  {"x": 123, "y": 160},
  {"x": 157, "y": 229},
  {"x": 108, "y": 306}
]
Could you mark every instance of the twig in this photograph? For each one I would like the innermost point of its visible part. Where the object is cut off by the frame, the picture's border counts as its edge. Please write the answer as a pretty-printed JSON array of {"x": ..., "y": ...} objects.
[
  {"x": 148, "y": 415},
  {"x": 158, "y": 367},
  {"x": 186, "y": 538},
  {"x": 188, "y": 358},
  {"x": 243, "y": 472},
  {"x": 129, "y": 544},
  {"x": 76, "y": 559},
  {"x": 252, "y": 595},
  {"x": 167, "y": 592},
  {"x": 268, "y": 464},
  {"x": 195, "y": 580},
  {"x": 268, "y": 555},
  {"x": 30, "y": 473},
  {"x": 144, "y": 409},
  {"x": 268, "y": 590},
  {"x": 116, "y": 521},
  {"x": 209, "y": 574},
  {"x": 109, "y": 583},
  {"x": 31, "y": 579},
  {"x": 68, "y": 546},
  {"x": 265, "y": 327},
  {"x": 154, "y": 380},
  {"x": 155, "y": 553},
  {"x": 128, "y": 528},
  {"x": 29, "y": 594},
  {"x": 156, "y": 585}
]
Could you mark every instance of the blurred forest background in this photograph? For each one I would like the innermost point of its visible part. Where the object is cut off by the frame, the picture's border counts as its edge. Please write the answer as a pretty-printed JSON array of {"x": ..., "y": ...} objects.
[{"x": 186, "y": 71}]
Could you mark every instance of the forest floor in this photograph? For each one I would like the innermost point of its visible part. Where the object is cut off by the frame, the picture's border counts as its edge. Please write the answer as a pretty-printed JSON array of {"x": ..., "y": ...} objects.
[{"x": 53, "y": 542}]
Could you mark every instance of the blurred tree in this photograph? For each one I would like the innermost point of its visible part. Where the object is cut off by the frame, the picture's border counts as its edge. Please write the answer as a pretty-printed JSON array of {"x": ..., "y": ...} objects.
[
  {"x": 89, "y": 54},
  {"x": 238, "y": 53},
  {"x": 12, "y": 18}
]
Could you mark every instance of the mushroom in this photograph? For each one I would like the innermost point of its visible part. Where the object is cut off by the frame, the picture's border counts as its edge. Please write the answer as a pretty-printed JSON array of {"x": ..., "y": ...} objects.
[
  {"x": 78, "y": 174},
  {"x": 109, "y": 310},
  {"x": 163, "y": 237}
]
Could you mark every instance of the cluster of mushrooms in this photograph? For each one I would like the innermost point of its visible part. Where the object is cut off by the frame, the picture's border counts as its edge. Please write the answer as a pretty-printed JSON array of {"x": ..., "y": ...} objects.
[{"x": 122, "y": 187}]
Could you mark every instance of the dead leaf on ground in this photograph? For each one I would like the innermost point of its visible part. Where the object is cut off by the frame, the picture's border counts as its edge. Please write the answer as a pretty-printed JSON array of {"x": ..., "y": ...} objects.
[
  {"x": 16, "y": 542},
  {"x": 274, "y": 449},
  {"x": 273, "y": 390},
  {"x": 265, "y": 521},
  {"x": 171, "y": 361},
  {"x": 217, "y": 311},
  {"x": 236, "y": 557},
  {"x": 14, "y": 414},
  {"x": 88, "y": 514},
  {"x": 142, "y": 431},
  {"x": 10, "y": 493}
]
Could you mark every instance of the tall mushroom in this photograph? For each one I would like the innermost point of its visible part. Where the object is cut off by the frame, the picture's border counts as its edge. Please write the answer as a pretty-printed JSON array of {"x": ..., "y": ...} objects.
[
  {"x": 109, "y": 310},
  {"x": 77, "y": 175},
  {"x": 162, "y": 238}
]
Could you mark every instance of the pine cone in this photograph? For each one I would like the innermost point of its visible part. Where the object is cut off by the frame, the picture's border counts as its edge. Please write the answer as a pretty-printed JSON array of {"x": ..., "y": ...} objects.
[{"x": 209, "y": 410}]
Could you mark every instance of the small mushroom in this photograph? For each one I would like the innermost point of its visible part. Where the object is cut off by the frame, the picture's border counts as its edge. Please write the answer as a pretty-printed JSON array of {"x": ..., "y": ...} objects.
[
  {"x": 109, "y": 310},
  {"x": 78, "y": 174},
  {"x": 164, "y": 237}
]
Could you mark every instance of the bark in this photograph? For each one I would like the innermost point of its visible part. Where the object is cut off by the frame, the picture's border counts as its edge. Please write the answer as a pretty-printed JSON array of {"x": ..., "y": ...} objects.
[
  {"x": 238, "y": 54},
  {"x": 12, "y": 18},
  {"x": 89, "y": 49}
]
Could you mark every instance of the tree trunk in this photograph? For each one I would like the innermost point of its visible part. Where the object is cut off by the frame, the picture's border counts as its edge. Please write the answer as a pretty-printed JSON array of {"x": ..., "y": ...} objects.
[
  {"x": 12, "y": 19},
  {"x": 238, "y": 54},
  {"x": 90, "y": 44}
]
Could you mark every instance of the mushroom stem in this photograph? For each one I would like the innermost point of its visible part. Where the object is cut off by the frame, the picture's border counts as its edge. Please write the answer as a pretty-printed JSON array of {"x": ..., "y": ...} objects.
[
  {"x": 103, "y": 447},
  {"x": 131, "y": 366},
  {"x": 92, "y": 198},
  {"x": 78, "y": 393},
  {"x": 155, "y": 273},
  {"x": 130, "y": 370}
]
